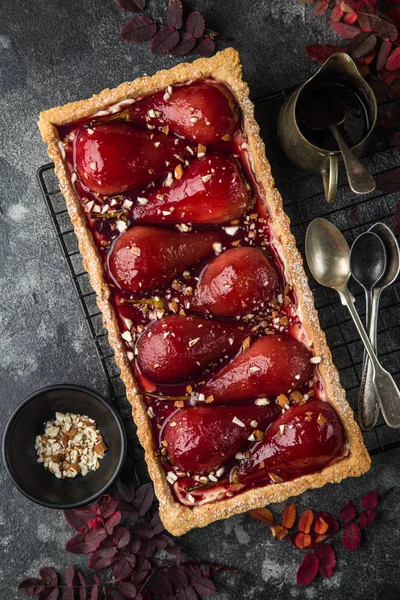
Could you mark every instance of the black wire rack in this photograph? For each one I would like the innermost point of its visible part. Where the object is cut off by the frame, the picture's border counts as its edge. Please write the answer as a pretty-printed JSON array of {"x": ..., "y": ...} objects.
[{"x": 304, "y": 200}]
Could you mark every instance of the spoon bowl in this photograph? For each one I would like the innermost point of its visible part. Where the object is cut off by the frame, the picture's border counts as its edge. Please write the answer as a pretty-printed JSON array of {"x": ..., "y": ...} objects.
[
  {"x": 328, "y": 254},
  {"x": 392, "y": 254},
  {"x": 368, "y": 260}
]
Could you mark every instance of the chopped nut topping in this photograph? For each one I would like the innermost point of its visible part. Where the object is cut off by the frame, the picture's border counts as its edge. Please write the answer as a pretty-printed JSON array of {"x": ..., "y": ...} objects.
[
  {"x": 262, "y": 401},
  {"x": 309, "y": 415},
  {"x": 71, "y": 444},
  {"x": 296, "y": 397},
  {"x": 321, "y": 419},
  {"x": 254, "y": 369},
  {"x": 315, "y": 360},
  {"x": 193, "y": 342},
  {"x": 238, "y": 422},
  {"x": 209, "y": 399},
  {"x": 142, "y": 200},
  {"x": 246, "y": 343},
  {"x": 275, "y": 478},
  {"x": 283, "y": 401},
  {"x": 178, "y": 172},
  {"x": 282, "y": 429},
  {"x": 179, "y": 403},
  {"x": 226, "y": 138},
  {"x": 258, "y": 435},
  {"x": 201, "y": 150}
]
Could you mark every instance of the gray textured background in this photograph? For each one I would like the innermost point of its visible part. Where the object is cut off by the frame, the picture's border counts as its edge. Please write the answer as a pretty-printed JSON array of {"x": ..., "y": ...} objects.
[{"x": 55, "y": 51}]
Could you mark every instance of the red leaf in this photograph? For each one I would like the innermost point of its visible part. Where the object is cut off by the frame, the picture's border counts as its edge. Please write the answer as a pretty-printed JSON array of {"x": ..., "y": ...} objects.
[
  {"x": 370, "y": 500},
  {"x": 78, "y": 517},
  {"x": 348, "y": 512},
  {"x": 321, "y": 7},
  {"x": 94, "y": 538},
  {"x": 321, "y": 526},
  {"x": 95, "y": 592},
  {"x": 164, "y": 41},
  {"x": 262, "y": 514},
  {"x": 175, "y": 14},
  {"x": 69, "y": 575},
  {"x": 78, "y": 544},
  {"x": 289, "y": 516},
  {"x": 205, "y": 587},
  {"x": 124, "y": 567},
  {"x": 49, "y": 575},
  {"x": 132, "y": 5},
  {"x": 344, "y": 30},
  {"x": 177, "y": 577},
  {"x": 195, "y": 24},
  {"x": 121, "y": 537},
  {"x": 206, "y": 47},
  {"x": 68, "y": 594},
  {"x": 186, "y": 43},
  {"x": 350, "y": 18},
  {"x": 385, "y": 29},
  {"x": 82, "y": 591},
  {"x": 112, "y": 522},
  {"x": 393, "y": 62},
  {"x": 363, "y": 44},
  {"x": 367, "y": 518},
  {"x": 333, "y": 525},
  {"x": 95, "y": 523},
  {"x": 321, "y": 52},
  {"x": 383, "y": 53},
  {"x": 145, "y": 494},
  {"x": 336, "y": 13},
  {"x": 327, "y": 560},
  {"x": 96, "y": 561},
  {"x": 108, "y": 507},
  {"x": 126, "y": 489},
  {"x": 351, "y": 535},
  {"x": 308, "y": 569},
  {"x": 31, "y": 587},
  {"x": 306, "y": 521},
  {"x": 388, "y": 182},
  {"x": 127, "y": 589},
  {"x": 303, "y": 540},
  {"x": 51, "y": 594},
  {"x": 139, "y": 29}
]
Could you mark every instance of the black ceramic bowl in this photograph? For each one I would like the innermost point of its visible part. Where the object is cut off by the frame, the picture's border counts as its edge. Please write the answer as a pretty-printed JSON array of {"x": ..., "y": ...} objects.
[{"x": 27, "y": 421}]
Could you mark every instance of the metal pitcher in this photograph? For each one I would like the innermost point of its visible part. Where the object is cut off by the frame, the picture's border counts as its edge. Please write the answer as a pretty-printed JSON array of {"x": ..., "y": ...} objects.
[{"x": 303, "y": 152}]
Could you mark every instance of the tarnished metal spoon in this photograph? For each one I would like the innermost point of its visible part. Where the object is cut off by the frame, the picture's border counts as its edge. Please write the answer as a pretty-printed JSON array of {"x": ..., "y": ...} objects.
[
  {"x": 368, "y": 407},
  {"x": 368, "y": 265},
  {"x": 328, "y": 256},
  {"x": 329, "y": 115}
]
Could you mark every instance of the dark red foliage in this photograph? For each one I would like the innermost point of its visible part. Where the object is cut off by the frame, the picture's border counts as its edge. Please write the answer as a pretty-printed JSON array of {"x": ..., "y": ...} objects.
[
  {"x": 127, "y": 589},
  {"x": 348, "y": 512},
  {"x": 112, "y": 522},
  {"x": 370, "y": 500},
  {"x": 367, "y": 517},
  {"x": 139, "y": 29},
  {"x": 351, "y": 535},
  {"x": 206, "y": 47},
  {"x": 383, "y": 54},
  {"x": 186, "y": 43},
  {"x": 333, "y": 525},
  {"x": 163, "y": 42},
  {"x": 393, "y": 62},
  {"x": 132, "y": 5},
  {"x": 49, "y": 576},
  {"x": 31, "y": 586},
  {"x": 175, "y": 13},
  {"x": 308, "y": 569},
  {"x": 144, "y": 499},
  {"x": 327, "y": 560},
  {"x": 344, "y": 30},
  {"x": 195, "y": 24},
  {"x": 321, "y": 52},
  {"x": 78, "y": 518}
]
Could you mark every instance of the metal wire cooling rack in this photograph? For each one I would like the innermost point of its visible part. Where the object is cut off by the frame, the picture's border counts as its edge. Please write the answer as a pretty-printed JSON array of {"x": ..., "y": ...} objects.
[{"x": 304, "y": 199}]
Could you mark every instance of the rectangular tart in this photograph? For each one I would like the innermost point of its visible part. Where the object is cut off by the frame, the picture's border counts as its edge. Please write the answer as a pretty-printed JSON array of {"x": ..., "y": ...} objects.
[{"x": 111, "y": 221}]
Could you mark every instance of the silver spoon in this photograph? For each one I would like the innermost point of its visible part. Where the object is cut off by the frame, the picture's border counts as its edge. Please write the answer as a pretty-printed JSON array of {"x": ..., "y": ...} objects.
[
  {"x": 328, "y": 256},
  {"x": 368, "y": 265},
  {"x": 328, "y": 115},
  {"x": 368, "y": 408}
]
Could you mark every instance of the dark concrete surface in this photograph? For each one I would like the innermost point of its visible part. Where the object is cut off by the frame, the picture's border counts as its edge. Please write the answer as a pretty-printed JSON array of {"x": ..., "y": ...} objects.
[{"x": 52, "y": 52}]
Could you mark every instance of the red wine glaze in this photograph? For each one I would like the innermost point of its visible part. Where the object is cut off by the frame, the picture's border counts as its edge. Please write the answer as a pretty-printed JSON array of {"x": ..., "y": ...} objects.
[{"x": 109, "y": 216}]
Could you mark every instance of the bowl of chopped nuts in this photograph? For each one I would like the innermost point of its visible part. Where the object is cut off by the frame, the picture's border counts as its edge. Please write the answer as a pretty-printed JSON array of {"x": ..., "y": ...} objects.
[{"x": 64, "y": 446}]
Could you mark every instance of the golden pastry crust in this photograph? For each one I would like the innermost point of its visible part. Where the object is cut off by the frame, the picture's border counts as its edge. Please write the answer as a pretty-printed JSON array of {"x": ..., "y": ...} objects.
[{"x": 226, "y": 68}]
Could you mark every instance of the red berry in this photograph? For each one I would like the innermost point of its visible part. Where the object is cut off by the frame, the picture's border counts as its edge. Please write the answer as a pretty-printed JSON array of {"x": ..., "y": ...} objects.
[
  {"x": 236, "y": 282},
  {"x": 179, "y": 347},
  {"x": 144, "y": 258},
  {"x": 272, "y": 365},
  {"x": 202, "y": 112}
]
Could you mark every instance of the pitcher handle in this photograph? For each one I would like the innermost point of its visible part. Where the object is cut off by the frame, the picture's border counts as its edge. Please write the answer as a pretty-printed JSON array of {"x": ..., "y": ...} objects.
[{"x": 330, "y": 178}]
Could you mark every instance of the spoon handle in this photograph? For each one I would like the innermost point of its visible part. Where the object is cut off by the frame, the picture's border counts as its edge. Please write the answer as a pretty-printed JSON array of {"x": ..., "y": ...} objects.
[
  {"x": 368, "y": 407},
  {"x": 385, "y": 388},
  {"x": 360, "y": 180}
]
